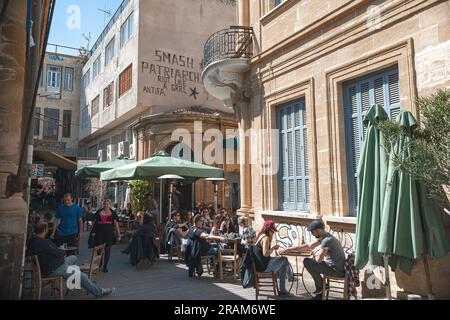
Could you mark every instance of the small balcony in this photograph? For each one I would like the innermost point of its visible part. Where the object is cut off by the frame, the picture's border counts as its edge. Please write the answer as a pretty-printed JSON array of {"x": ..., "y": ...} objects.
[{"x": 226, "y": 57}]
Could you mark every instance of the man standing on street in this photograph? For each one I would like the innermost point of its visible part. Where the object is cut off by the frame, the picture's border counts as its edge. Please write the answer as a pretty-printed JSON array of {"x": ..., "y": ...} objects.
[{"x": 68, "y": 223}]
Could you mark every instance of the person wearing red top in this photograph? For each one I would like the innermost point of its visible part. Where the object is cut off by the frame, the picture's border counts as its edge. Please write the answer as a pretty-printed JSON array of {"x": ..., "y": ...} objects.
[{"x": 105, "y": 225}]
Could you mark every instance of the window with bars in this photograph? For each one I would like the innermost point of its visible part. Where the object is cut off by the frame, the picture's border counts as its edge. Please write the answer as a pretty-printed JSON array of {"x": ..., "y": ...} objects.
[
  {"x": 51, "y": 124},
  {"x": 294, "y": 169},
  {"x": 95, "y": 106},
  {"x": 125, "y": 80},
  {"x": 108, "y": 95},
  {"x": 68, "y": 79},
  {"x": 382, "y": 88},
  {"x": 67, "y": 123}
]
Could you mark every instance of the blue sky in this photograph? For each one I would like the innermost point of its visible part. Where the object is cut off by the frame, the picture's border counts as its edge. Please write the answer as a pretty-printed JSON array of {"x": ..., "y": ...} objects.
[{"x": 72, "y": 18}]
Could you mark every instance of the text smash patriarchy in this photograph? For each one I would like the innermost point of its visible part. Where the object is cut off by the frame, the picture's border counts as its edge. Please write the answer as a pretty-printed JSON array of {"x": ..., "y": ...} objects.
[{"x": 173, "y": 72}]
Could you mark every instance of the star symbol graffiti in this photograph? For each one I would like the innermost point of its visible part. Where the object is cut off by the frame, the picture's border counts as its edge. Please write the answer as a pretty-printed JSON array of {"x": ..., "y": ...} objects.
[{"x": 194, "y": 93}]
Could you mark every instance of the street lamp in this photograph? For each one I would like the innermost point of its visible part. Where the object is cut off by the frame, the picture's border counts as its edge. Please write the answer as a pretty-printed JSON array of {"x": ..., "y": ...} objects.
[
  {"x": 172, "y": 178},
  {"x": 215, "y": 182}
]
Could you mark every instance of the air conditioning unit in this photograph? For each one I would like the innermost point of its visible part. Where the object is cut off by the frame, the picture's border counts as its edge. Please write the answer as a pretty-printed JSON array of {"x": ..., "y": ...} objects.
[
  {"x": 123, "y": 149},
  {"x": 132, "y": 154},
  {"x": 101, "y": 155},
  {"x": 111, "y": 152}
]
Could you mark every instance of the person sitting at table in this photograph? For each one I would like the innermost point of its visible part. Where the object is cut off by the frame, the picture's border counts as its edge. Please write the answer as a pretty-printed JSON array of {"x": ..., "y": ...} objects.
[
  {"x": 199, "y": 246},
  {"x": 143, "y": 248},
  {"x": 206, "y": 220},
  {"x": 328, "y": 260},
  {"x": 265, "y": 263},
  {"x": 174, "y": 230},
  {"x": 53, "y": 261},
  {"x": 217, "y": 222},
  {"x": 128, "y": 212},
  {"x": 105, "y": 225},
  {"x": 133, "y": 228}
]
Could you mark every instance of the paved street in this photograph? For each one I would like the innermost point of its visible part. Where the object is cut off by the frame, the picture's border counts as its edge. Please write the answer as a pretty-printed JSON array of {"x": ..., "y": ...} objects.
[{"x": 165, "y": 280}]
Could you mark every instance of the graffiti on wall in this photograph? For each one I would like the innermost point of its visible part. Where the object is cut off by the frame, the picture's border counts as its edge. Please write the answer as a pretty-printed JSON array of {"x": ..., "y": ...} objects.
[
  {"x": 172, "y": 73},
  {"x": 292, "y": 235}
]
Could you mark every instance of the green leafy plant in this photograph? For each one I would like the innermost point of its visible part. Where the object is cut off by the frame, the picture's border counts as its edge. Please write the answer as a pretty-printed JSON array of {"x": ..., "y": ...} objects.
[
  {"x": 429, "y": 158},
  {"x": 141, "y": 189}
]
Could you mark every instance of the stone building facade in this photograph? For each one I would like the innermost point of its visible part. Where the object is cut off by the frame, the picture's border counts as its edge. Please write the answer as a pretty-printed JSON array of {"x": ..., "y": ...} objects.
[{"x": 315, "y": 68}]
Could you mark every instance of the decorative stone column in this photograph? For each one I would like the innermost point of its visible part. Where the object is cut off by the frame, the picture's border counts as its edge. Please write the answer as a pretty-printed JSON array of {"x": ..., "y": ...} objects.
[{"x": 241, "y": 106}]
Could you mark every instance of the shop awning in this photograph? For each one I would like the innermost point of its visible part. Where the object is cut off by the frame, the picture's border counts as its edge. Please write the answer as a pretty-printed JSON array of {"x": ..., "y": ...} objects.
[{"x": 57, "y": 160}]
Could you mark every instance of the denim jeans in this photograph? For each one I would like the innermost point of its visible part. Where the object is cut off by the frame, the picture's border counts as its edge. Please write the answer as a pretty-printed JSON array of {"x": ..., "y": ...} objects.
[
  {"x": 85, "y": 282},
  {"x": 316, "y": 269},
  {"x": 280, "y": 265}
]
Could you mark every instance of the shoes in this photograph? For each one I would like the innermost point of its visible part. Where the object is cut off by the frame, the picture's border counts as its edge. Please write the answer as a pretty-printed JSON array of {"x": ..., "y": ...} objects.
[
  {"x": 317, "y": 297},
  {"x": 318, "y": 291},
  {"x": 107, "y": 292},
  {"x": 105, "y": 270},
  {"x": 285, "y": 294}
]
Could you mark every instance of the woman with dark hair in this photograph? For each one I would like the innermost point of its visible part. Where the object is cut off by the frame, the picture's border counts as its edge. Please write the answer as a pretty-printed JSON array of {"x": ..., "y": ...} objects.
[
  {"x": 264, "y": 262},
  {"x": 105, "y": 225},
  {"x": 217, "y": 222}
]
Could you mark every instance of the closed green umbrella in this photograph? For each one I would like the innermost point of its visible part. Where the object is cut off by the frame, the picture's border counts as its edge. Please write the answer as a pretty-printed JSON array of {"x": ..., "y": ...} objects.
[
  {"x": 411, "y": 227},
  {"x": 372, "y": 169},
  {"x": 94, "y": 170},
  {"x": 159, "y": 165}
]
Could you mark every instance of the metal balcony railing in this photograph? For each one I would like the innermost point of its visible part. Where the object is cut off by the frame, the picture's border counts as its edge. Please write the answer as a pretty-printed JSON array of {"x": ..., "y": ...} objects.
[{"x": 234, "y": 42}]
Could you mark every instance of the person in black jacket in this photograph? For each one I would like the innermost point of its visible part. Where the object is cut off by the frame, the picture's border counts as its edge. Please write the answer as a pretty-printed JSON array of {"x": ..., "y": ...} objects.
[
  {"x": 199, "y": 246},
  {"x": 53, "y": 261}
]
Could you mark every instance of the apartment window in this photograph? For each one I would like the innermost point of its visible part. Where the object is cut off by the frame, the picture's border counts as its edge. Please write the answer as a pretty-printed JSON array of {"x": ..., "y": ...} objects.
[
  {"x": 95, "y": 104},
  {"x": 382, "y": 88},
  {"x": 86, "y": 79},
  {"x": 53, "y": 79},
  {"x": 294, "y": 173},
  {"x": 97, "y": 67},
  {"x": 108, "y": 95},
  {"x": 127, "y": 30},
  {"x": 278, "y": 2},
  {"x": 125, "y": 80},
  {"x": 68, "y": 79},
  {"x": 51, "y": 124},
  {"x": 67, "y": 123},
  {"x": 109, "y": 52},
  {"x": 37, "y": 122}
]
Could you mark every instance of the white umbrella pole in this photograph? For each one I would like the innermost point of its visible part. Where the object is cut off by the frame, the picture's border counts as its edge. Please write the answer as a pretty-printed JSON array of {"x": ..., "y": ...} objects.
[{"x": 386, "y": 274}]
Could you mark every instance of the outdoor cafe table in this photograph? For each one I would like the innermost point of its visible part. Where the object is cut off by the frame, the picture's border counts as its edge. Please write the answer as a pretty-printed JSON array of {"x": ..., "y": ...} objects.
[
  {"x": 297, "y": 274},
  {"x": 70, "y": 250}
]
